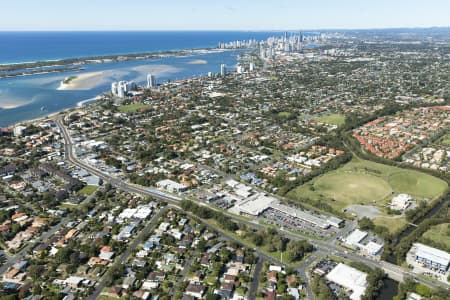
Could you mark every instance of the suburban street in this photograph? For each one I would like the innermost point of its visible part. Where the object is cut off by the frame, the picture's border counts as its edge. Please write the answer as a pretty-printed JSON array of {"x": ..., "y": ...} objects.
[
  {"x": 11, "y": 260},
  {"x": 255, "y": 279},
  {"x": 124, "y": 256}
]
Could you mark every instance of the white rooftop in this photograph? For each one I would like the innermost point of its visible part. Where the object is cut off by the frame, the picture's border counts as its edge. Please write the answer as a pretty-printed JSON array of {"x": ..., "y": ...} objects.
[
  {"x": 256, "y": 204},
  {"x": 355, "y": 237},
  {"x": 373, "y": 248},
  {"x": 349, "y": 278},
  {"x": 433, "y": 254}
]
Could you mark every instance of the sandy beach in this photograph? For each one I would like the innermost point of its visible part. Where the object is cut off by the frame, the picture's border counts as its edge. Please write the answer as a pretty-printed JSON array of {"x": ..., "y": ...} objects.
[{"x": 85, "y": 81}]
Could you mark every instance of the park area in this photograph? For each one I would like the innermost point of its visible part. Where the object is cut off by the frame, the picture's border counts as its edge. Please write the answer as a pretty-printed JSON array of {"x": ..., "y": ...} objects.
[
  {"x": 368, "y": 187},
  {"x": 88, "y": 190},
  {"x": 132, "y": 107},
  {"x": 332, "y": 119}
]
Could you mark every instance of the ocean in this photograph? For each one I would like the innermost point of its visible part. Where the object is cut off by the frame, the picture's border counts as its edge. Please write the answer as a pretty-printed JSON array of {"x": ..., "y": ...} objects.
[
  {"x": 36, "y": 46},
  {"x": 29, "y": 97}
]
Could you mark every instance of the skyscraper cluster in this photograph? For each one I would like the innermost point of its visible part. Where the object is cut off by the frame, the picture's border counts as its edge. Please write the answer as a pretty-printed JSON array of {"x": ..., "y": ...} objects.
[
  {"x": 122, "y": 88},
  {"x": 244, "y": 44}
]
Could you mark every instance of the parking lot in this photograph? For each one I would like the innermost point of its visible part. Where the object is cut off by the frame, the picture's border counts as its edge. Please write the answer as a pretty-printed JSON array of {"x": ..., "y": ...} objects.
[{"x": 281, "y": 219}]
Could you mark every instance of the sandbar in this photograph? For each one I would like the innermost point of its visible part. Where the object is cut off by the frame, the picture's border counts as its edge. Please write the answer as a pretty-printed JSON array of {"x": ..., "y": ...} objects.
[
  {"x": 155, "y": 69},
  {"x": 197, "y": 62},
  {"x": 85, "y": 81},
  {"x": 10, "y": 104}
]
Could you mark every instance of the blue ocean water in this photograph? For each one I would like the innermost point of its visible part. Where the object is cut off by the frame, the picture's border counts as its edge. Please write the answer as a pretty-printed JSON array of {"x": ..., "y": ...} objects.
[
  {"x": 31, "y": 93},
  {"x": 36, "y": 46}
]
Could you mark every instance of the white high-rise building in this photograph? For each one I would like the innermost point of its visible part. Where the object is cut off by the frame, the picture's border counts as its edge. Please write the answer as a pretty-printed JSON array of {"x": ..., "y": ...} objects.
[
  {"x": 19, "y": 130},
  {"x": 114, "y": 88},
  {"x": 151, "y": 81},
  {"x": 121, "y": 88},
  {"x": 251, "y": 67},
  {"x": 223, "y": 70},
  {"x": 240, "y": 69}
]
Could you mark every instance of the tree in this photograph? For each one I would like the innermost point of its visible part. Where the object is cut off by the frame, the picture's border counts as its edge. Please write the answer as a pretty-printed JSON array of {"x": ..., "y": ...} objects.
[
  {"x": 37, "y": 290},
  {"x": 35, "y": 272},
  {"x": 366, "y": 224}
]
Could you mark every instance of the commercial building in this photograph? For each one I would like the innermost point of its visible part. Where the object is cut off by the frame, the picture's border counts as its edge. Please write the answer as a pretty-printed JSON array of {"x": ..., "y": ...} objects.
[
  {"x": 256, "y": 205},
  {"x": 358, "y": 239},
  {"x": 353, "y": 280},
  {"x": 171, "y": 186},
  {"x": 355, "y": 237},
  {"x": 431, "y": 257}
]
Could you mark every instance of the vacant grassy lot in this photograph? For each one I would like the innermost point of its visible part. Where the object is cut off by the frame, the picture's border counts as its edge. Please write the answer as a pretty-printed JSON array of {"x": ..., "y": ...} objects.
[
  {"x": 333, "y": 119},
  {"x": 440, "y": 234},
  {"x": 394, "y": 223},
  {"x": 88, "y": 190},
  {"x": 368, "y": 183},
  {"x": 132, "y": 107}
]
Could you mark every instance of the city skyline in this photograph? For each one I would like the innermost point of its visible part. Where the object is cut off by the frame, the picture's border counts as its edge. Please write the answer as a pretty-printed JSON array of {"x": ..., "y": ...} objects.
[{"x": 233, "y": 15}]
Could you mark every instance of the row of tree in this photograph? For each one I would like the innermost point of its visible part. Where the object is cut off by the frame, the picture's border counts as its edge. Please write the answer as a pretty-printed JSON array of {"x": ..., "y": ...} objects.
[{"x": 269, "y": 238}]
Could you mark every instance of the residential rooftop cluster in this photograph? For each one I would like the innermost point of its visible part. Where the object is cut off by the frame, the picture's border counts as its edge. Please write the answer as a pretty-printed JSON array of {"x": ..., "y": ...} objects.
[{"x": 391, "y": 136}]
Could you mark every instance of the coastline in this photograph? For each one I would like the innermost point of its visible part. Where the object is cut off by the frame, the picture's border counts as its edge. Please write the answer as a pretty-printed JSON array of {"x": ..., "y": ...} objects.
[
  {"x": 141, "y": 69},
  {"x": 33, "y": 71},
  {"x": 28, "y": 67}
]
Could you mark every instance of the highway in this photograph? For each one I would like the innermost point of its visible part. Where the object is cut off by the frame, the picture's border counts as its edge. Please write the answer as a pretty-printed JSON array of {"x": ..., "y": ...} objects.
[{"x": 395, "y": 272}]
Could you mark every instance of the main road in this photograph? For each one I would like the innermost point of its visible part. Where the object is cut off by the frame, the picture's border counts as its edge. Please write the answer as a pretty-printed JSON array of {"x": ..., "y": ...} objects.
[{"x": 395, "y": 272}]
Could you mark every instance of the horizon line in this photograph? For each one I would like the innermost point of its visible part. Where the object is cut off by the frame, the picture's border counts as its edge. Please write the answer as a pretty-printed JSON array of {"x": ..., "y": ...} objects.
[{"x": 224, "y": 30}]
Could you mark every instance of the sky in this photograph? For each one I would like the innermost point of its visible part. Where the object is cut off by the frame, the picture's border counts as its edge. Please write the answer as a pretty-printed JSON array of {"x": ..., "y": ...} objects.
[{"x": 221, "y": 14}]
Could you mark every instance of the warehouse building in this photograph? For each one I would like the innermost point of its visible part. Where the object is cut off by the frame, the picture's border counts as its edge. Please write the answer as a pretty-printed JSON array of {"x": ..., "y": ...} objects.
[
  {"x": 353, "y": 280},
  {"x": 431, "y": 257}
]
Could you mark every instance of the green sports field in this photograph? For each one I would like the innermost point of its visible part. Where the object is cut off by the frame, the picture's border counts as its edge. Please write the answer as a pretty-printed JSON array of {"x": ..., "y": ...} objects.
[
  {"x": 132, "y": 107},
  {"x": 368, "y": 183},
  {"x": 333, "y": 119}
]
